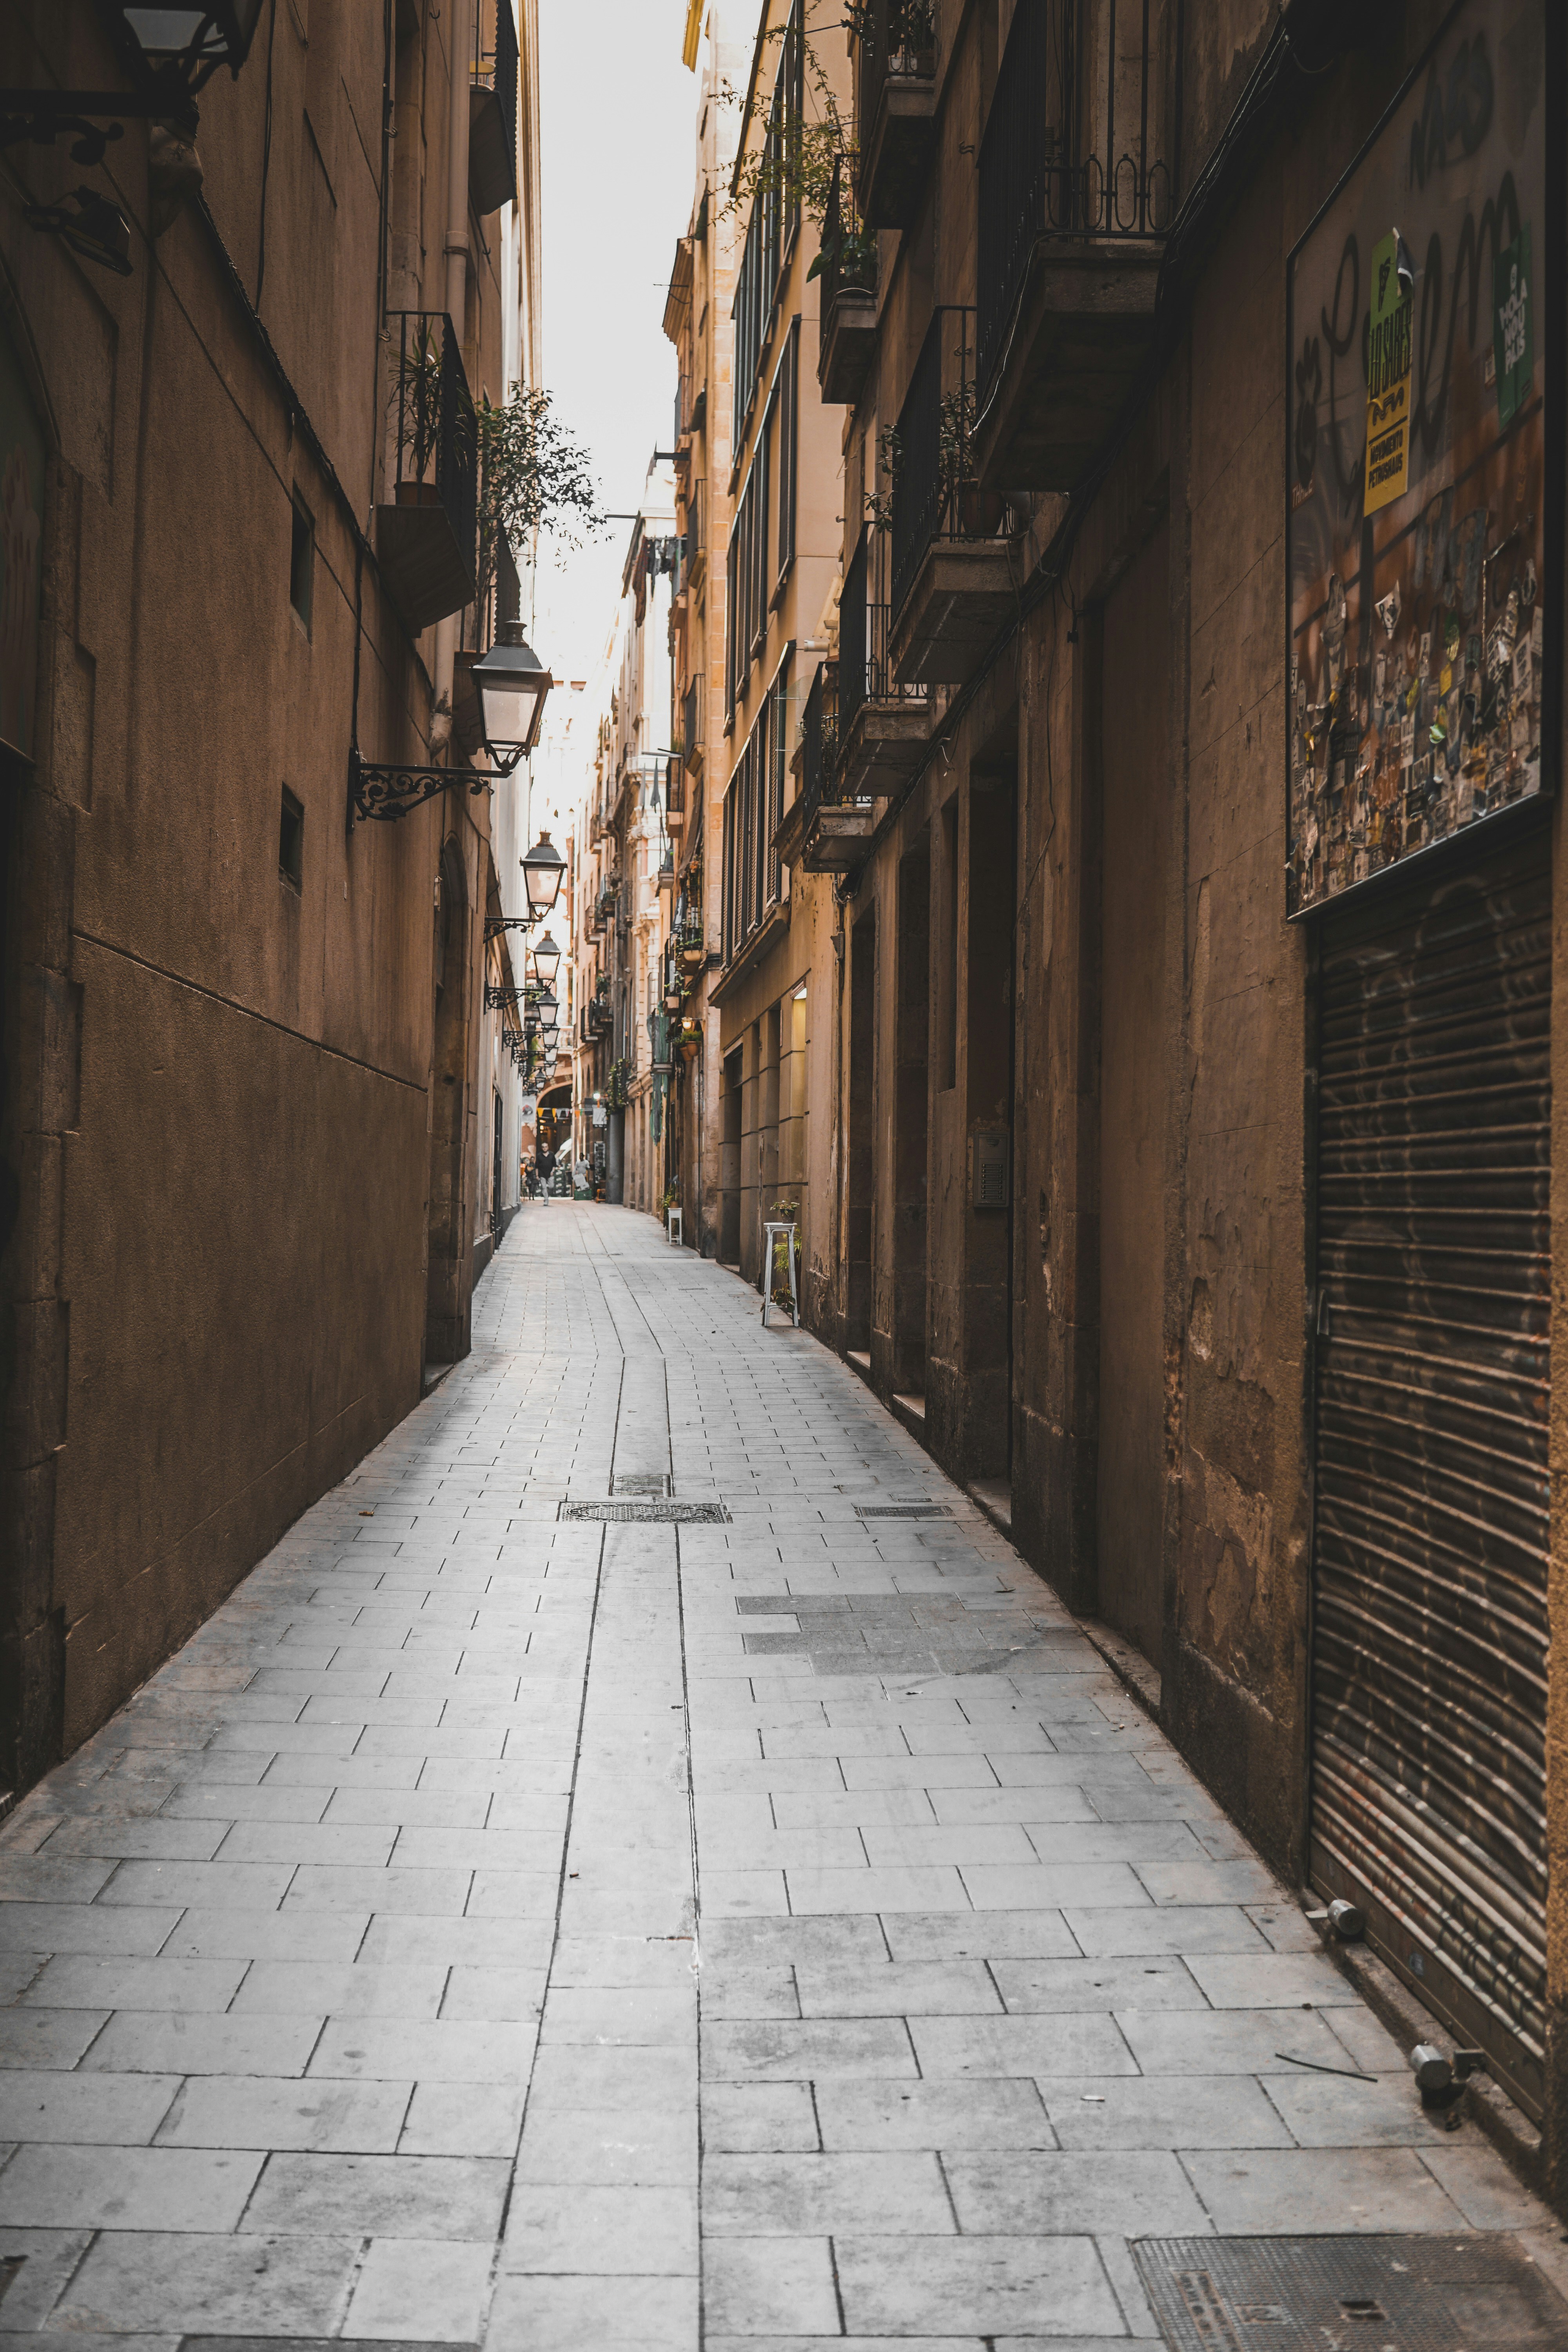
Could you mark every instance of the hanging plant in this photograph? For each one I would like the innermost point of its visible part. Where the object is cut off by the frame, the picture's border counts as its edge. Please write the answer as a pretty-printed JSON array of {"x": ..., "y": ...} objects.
[{"x": 535, "y": 478}]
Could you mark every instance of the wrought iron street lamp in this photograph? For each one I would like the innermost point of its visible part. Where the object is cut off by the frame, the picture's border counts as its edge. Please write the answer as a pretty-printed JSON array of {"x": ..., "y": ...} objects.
[
  {"x": 545, "y": 1005},
  {"x": 193, "y": 42},
  {"x": 166, "y": 53},
  {"x": 542, "y": 871},
  {"x": 546, "y": 959},
  {"x": 512, "y": 683}
]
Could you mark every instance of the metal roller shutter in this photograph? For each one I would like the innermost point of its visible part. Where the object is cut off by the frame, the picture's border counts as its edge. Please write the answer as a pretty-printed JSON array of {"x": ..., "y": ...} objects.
[{"x": 1431, "y": 1495}]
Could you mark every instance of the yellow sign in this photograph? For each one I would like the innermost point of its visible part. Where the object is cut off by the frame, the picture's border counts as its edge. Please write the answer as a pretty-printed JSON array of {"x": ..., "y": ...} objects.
[
  {"x": 1388, "y": 378},
  {"x": 693, "y": 34}
]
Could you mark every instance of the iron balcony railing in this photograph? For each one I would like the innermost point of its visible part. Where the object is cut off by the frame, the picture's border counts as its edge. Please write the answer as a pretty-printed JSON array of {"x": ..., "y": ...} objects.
[
  {"x": 865, "y": 669},
  {"x": 1080, "y": 140},
  {"x": 691, "y": 721},
  {"x": 934, "y": 493},
  {"x": 820, "y": 744},
  {"x": 848, "y": 249},
  {"x": 897, "y": 42},
  {"x": 436, "y": 446}
]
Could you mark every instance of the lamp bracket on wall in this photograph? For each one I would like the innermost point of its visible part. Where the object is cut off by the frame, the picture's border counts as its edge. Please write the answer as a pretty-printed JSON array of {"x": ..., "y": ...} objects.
[
  {"x": 383, "y": 791},
  {"x": 42, "y": 116},
  {"x": 501, "y": 999},
  {"x": 496, "y": 924}
]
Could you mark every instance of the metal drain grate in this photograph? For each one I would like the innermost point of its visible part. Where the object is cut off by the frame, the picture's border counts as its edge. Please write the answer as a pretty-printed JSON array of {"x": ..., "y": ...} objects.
[
  {"x": 1393, "y": 2294},
  {"x": 640, "y": 1483},
  {"x": 684, "y": 1515},
  {"x": 312, "y": 2344},
  {"x": 902, "y": 1511}
]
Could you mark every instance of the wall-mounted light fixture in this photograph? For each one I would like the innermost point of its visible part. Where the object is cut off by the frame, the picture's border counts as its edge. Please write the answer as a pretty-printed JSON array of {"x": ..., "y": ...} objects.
[
  {"x": 512, "y": 683},
  {"x": 167, "y": 54},
  {"x": 541, "y": 872}
]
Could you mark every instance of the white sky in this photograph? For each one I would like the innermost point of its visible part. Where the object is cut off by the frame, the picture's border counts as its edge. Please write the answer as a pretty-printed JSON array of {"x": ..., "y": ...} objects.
[{"x": 617, "y": 143}]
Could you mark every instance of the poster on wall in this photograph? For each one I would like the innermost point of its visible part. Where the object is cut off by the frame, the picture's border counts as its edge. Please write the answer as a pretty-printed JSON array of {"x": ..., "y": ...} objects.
[{"x": 1419, "y": 593}]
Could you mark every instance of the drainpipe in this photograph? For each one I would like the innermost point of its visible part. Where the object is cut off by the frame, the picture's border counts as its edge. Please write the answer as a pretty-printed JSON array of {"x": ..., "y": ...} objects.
[{"x": 459, "y": 23}]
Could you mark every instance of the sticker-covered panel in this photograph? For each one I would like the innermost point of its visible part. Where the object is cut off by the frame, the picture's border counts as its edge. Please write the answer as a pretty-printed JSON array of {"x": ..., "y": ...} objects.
[{"x": 1416, "y": 499}]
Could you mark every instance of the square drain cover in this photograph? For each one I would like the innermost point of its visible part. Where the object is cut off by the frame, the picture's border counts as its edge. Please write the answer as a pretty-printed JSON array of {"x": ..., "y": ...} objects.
[
  {"x": 1351, "y": 2294},
  {"x": 902, "y": 1511}
]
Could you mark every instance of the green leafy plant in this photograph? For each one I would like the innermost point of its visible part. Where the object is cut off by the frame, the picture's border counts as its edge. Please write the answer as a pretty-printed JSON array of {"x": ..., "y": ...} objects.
[
  {"x": 889, "y": 458},
  {"x": 535, "y": 478},
  {"x": 533, "y": 474},
  {"x": 798, "y": 164},
  {"x": 954, "y": 437}
]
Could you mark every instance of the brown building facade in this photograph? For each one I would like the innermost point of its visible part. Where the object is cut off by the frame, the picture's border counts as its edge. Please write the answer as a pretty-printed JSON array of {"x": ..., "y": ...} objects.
[
  {"x": 1176, "y": 823},
  {"x": 247, "y": 1105}
]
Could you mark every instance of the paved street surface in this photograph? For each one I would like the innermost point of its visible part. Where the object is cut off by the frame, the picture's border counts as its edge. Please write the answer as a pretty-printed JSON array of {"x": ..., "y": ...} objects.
[{"x": 494, "y": 1928}]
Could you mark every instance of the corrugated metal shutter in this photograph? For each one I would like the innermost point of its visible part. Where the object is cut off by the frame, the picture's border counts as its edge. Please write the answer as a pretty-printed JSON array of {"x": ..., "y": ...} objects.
[{"x": 1429, "y": 1590}]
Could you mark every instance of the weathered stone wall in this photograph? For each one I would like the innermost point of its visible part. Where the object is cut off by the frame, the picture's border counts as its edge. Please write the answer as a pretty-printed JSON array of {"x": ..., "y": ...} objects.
[{"x": 219, "y": 1081}]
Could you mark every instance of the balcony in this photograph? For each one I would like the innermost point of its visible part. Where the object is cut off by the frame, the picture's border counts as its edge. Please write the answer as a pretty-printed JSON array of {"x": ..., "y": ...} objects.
[
  {"x": 882, "y": 725},
  {"x": 695, "y": 561},
  {"x": 691, "y": 726},
  {"x": 427, "y": 540},
  {"x": 675, "y": 793},
  {"x": 1077, "y": 191},
  {"x": 895, "y": 108},
  {"x": 847, "y": 267},
  {"x": 823, "y": 831},
  {"x": 952, "y": 583},
  {"x": 492, "y": 115},
  {"x": 690, "y": 405}
]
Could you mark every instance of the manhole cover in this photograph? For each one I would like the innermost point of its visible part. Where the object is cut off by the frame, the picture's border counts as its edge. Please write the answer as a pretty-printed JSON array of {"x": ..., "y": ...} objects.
[
  {"x": 684, "y": 1515},
  {"x": 902, "y": 1511},
  {"x": 1351, "y": 2294}
]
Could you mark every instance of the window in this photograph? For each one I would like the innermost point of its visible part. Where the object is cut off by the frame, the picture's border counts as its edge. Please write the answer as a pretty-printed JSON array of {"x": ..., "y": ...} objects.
[
  {"x": 291, "y": 841},
  {"x": 731, "y": 568},
  {"x": 302, "y": 562},
  {"x": 757, "y": 552},
  {"x": 770, "y": 234},
  {"x": 788, "y": 396},
  {"x": 776, "y": 720},
  {"x": 754, "y": 806}
]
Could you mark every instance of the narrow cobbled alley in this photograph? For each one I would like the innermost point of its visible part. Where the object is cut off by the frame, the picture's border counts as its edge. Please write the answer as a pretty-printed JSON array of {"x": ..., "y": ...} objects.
[{"x": 511, "y": 1923}]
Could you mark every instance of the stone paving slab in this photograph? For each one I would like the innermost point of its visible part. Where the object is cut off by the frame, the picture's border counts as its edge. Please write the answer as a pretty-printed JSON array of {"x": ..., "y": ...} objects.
[{"x": 496, "y": 1930}]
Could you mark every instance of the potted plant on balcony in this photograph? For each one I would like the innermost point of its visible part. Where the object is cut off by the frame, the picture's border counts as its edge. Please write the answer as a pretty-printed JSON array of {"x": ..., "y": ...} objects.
[
  {"x": 977, "y": 512},
  {"x": 910, "y": 34}
]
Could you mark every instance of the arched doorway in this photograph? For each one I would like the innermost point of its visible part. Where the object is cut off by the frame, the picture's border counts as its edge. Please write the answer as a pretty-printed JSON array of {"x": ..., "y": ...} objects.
[{"x": 447, "y": 1290}]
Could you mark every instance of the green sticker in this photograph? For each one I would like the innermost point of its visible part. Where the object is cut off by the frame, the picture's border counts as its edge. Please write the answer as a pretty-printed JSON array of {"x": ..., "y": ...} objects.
[{"x": 1513, "y": 322}]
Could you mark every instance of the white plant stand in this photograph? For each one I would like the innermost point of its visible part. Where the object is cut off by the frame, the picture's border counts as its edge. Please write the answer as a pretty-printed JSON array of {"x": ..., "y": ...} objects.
[
  {"x": 768, "y": 1232},
  {"x": 674, "y": 1231}
]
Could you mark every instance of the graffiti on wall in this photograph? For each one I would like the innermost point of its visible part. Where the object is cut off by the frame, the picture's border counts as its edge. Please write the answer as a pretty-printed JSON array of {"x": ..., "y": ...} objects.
[{"x": 1416, "y": 504}]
